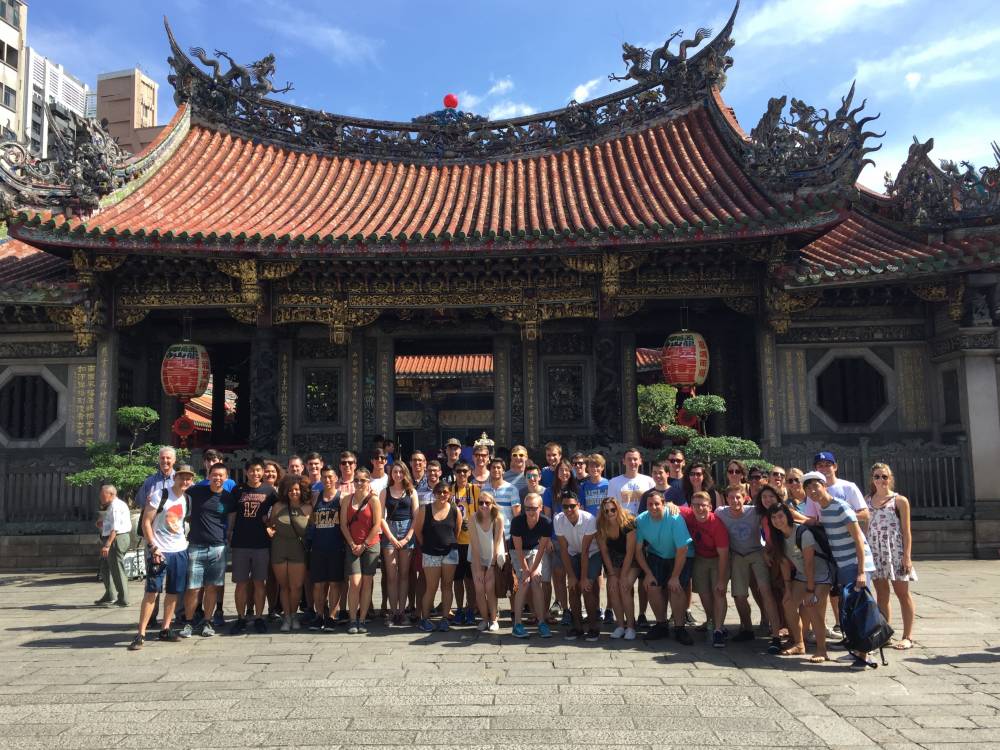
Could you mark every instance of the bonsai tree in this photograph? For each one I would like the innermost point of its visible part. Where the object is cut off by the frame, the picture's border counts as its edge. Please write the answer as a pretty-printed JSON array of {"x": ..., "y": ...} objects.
[
  {"x": 127, "y": 470},
  {"x": 657, "y": 410},
  {"x": 711, "y": 449}
]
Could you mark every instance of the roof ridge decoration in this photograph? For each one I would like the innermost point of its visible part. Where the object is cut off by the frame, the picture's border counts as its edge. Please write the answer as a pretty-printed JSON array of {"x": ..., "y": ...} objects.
[
  {"x": 809, "y": 148},
  {"x": 933, "y": 197},
  {"x": 84, "y": 164},
  {"x": 236, "y": 101}
]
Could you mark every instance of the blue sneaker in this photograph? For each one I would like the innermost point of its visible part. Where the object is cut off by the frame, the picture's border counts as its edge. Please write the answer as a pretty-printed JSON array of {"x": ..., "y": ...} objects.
[
  {"x": 543, "y": 630},
  {"x": 567, "y": 619},
  {"x": 443, "y": 625},
  {"x": 470, "y": 616},
  {"x": 218, "y": 620},
  {"x": 426, "y": 626},
  {"x": 519, "y": 631}
]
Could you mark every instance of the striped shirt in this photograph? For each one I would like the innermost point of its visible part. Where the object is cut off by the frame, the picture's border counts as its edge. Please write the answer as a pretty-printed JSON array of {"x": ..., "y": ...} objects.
[{"x": 837, "y": 518}]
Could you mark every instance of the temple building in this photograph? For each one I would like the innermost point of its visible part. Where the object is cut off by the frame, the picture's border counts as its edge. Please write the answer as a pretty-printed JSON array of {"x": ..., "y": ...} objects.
[{"x": 453, "y": 275}]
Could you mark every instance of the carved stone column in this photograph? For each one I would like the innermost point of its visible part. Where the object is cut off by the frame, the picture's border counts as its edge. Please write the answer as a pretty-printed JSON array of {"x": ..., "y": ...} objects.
[
  {"x": 767, "y": 358},
  {"x": 630, "y": 401},
  {"x": 106, "y": 397},
  {"x": 355, "y": 433},
  {"x": 385, "y": 387},
  {"x": 532, "y": 393},
  {"x": 501, "y": 391},
  {"x": 606, "y": 406},
  {"x": 266, "y": 418}
]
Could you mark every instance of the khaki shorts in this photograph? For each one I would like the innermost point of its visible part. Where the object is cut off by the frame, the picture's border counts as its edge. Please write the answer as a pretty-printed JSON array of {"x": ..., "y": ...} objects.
[
  {"x": 741, "y": 567},
  {"x": 706, "y": 574}
]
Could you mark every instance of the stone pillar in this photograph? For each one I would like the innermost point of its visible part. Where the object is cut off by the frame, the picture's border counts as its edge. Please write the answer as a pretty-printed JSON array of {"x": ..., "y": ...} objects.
[
  {"x": 106, "y": 397},
  {"x": 501, "y": 391},
  {"x": 532, "y": 394},
  {"x": 606, "y": 406},
  {"x": 265, "y": 419},
  {"x": 630, "y": 399},
  {"x": 385, "y": 387},
  {"x": 355, "y": 401},
  {"x": 767, "y": 361}
]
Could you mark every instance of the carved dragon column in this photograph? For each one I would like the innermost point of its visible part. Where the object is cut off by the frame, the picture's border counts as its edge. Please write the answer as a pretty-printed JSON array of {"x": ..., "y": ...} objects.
[
  {"x": 501, "y": 390},
  {"x": 606, "y": 406}
]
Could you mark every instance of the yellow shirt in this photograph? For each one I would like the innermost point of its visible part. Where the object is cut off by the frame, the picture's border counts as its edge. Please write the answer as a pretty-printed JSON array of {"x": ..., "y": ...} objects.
[{"x": 466, "y": 503}]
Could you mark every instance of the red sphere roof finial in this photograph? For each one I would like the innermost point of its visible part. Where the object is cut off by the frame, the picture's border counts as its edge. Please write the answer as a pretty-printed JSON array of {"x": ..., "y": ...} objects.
[{"x": 450, "y": 101}]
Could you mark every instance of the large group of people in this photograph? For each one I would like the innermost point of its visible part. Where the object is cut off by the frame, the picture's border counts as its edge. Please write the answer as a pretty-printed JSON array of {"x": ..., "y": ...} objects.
[{"x": 564, "y": 545}]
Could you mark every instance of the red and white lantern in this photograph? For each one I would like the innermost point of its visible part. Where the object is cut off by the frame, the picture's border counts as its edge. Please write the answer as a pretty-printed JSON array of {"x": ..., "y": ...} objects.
[
  {"x": 685, "y": 359},
  {"x": 185, "y": 371}
]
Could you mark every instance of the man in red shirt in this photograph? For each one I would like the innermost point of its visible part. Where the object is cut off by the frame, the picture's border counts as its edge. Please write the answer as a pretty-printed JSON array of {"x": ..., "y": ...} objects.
[{"x": 711, "y": 562}]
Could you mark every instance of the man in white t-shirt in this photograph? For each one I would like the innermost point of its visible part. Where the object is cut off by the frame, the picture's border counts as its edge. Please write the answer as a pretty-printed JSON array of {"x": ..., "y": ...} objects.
[
  {"x": 575, "y": 531},
  {"x": 629, "y": 487},
  {"x": 116, "y": 529},
  {"x": 162, "y": 524},
  {"x": 826, "y": 464}
]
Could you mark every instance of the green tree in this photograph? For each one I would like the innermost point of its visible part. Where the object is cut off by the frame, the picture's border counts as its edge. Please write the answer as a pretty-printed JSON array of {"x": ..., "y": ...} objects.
[
  {"x": 699, "y": 445},
  {"x": 657, "y": 408},
  {"x": 127, "y": 470}
]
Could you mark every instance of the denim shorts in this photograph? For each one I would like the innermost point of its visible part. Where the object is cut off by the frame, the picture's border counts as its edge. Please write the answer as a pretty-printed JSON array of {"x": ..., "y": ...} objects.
[
  {"x": 170, "y": 576},
  {"x": 206, "y": 565},
  {"x": 436, "y": 561},
  {"x": 594, "y": 566},
  {"x": 399, "y": 529}
]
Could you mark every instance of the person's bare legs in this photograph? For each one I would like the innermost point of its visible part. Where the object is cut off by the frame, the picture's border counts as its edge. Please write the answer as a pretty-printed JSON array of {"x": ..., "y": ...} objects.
[
  {"x": 447, "y": 585},
  {"x": 431, "y": 577},
  {"x": 367, "y": 585},
  {"x": 391, "y": 568},
  {"x": 626, "y": 593},
  {"x": 242, "y": 597},
  {"x": 615, "y": 599},
  {"x": 906, "y": 608},
  {"x": 405, "y": 557},
  {"x": 353, "y": 596},
  {"x": 259, "y": 593},
  {"x": 280, "y": 575}
]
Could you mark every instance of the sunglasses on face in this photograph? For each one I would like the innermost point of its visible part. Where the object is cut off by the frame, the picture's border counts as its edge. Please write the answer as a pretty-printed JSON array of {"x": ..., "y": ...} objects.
[
  {"x": 755, "y": 477},
  {"x": 733, "y": 471},
  {"x": 485, "y": 503},
  {"x": 579, "y": 463},
  {"x": 881, "y": 476},
  {"x": 676, "y": 460},
  {"x": 611, "y": 510},
  {"x": 777, "y": 474},
  {"x": 532, "y": 508},
  {"x": 569, "y": 506},
  {"x": 793, "y": 480},
  {"x": 378, "y": 458},
  {"x": 461, "y": 471},
  {"x": 360, "y": 482},
  {"x": 348, "y": 463}
]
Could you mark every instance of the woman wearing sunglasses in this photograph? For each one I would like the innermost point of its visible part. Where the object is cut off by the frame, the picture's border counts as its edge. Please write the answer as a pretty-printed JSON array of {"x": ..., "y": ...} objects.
[
  {"x": 616, "y": 539},
  {"x": 891, "y": 543},
  {"x": 486, "y": 555}
]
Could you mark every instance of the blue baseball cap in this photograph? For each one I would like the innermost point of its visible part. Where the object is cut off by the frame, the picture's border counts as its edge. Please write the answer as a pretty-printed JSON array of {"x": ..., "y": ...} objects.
[{"x": 824, "y": 456}]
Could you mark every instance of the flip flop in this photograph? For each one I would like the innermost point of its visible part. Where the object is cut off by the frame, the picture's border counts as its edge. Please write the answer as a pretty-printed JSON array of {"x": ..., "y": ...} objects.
[
  {"x": 904, "y": 645},
  {"x": 794, "y": 651},
  {"x": 816, "y": 659}
]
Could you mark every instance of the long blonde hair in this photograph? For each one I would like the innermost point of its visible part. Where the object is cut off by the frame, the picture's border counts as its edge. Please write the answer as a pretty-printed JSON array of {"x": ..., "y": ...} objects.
[
  {"x": 494, "y": 510},
  {"x": 621, "y": 520}
]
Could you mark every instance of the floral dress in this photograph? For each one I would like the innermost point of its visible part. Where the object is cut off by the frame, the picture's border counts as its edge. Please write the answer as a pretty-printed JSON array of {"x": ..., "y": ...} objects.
[{"x": 885, "y": 537}]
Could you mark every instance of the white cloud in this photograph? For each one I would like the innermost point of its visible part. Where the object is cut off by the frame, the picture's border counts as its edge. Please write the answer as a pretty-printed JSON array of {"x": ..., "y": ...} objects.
[
  {"x": 505, "y": 109},
  {"x": 962, "y": 136},
  {"x": 961, "y": 57},
  {"x": 501, "y": 87},
  {"x": 311, "y": 29},
  {"x": 585, "y": 90},
  {"x": 467, "y": 101},
  {"x": 790, "y": 22}
]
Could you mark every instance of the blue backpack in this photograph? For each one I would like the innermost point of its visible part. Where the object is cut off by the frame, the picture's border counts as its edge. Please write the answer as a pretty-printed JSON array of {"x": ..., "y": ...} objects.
[{"x": 864, "y": 627}]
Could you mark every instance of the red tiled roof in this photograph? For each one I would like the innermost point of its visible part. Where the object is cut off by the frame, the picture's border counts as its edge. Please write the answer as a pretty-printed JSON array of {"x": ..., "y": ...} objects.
[
  {"x": 443, "y": 365},
  {"x": 21, "y": 262},
  {"x": 673, "y": 177},
  {"x": 860, "y": 246},
  {"x": 648, "y": 360}
]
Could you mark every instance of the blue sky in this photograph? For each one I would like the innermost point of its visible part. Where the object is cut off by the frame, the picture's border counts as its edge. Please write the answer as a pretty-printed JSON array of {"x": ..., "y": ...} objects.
[{"x": 931, "y": 68}]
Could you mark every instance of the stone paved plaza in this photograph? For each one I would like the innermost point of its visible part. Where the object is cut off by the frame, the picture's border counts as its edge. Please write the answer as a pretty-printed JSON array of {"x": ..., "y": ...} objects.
[{"x": 68, "y": 681}]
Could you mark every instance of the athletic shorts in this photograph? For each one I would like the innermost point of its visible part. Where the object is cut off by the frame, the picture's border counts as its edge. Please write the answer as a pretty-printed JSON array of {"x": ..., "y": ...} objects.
[
  {"x": 705, "y": 575},
  {"x": 594, "y": 566},
  {"x": 170, "y": 576},
  {"x": 326, "y": 566},
  {"x": 251, "y": 563},
  {"x": 743, "y": 566},
  {"x": 464, "y": 569},
  {"x": 436, "y": 561},
  {"x": 663, "y": 568},
  {"x": 364, "y": 564},
  {"x": 543, "y": 570},
  {"x": 206, "y": 565}
]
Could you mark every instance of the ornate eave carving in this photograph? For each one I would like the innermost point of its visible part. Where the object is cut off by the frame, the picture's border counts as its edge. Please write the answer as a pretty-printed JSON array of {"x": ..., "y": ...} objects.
[
  {"x": 951, "y": 292},
  {"x": 87, "y": 319},
  {"x": 934, "y": 197},
  {"x": 780, "y": 306},
  {"x": 667, "y": 82}
]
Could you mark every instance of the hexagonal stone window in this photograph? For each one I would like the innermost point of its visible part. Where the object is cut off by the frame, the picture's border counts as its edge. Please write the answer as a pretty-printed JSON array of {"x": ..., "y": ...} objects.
[
  {"x": 851, "y": 391},
  {"x": 29, "y": 405}
]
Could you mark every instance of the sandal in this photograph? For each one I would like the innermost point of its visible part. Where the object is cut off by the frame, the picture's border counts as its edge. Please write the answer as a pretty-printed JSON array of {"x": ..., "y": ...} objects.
[
  {"x": 818, "y": 658},
  {"x": 904, "y": 645},
  {"x": 793, "y": 651}
]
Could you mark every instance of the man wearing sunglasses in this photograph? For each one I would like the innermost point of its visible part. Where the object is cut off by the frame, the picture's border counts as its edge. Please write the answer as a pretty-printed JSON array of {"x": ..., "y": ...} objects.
[{"x": 575, "y": 531}]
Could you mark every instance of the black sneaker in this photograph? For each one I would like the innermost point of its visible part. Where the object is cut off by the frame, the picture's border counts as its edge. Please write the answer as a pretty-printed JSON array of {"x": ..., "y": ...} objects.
[
  {"x": 239, "y": 626},
  {"x": 774, "y": 647},
  {"x": 120, "y": 603},
  {"x": 104, "y": 601},
  {"x": 169, "y": 636},
  {"x": 572, "y": 634},
  {"x": 593, "y": 635},
  {"x": 259, "y": 625},
  {"x": 682, "y": 636},
  {"x": 308, "y": 618},
  {"x": 137, "y": 643},
  {"x": 316, "y": 624},
  {"x": 743, "y": 636},
  {"x": 343, "y": 616},
  {"x": 689, "y": 618},
  {"x": 657, "y": 631},
  {"x": 642, "y": 622},
  {"x": 329, "y": 624}
]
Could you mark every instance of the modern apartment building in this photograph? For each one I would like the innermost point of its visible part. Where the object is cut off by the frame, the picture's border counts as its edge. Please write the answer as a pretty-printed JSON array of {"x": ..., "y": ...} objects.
[
  {"x": 13, "y": 34},
  {"x": 47, "y": 81},
  {"x": 127, "y": 99}
]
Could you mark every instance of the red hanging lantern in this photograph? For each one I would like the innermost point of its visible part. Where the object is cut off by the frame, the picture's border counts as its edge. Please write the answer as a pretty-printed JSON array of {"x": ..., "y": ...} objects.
[
  {"x": 685, "y": 359},
  {"x": 185, "y": 371}
]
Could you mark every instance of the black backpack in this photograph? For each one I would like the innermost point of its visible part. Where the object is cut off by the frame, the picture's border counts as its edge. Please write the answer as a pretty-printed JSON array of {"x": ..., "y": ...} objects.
[
  {"x": 823, "y": 549},
  {"x": 864, "y": 627}
]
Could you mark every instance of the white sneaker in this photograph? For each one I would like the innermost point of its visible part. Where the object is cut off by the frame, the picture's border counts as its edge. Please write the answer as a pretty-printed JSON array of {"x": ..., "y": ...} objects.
[
  {"x": 483, "y": 625},
  {"x": 494, "y": 627},
  {"x": 629, "y": 634},
  {"x": 286, "y": 625},
  {"x": 618, "y": 633}
]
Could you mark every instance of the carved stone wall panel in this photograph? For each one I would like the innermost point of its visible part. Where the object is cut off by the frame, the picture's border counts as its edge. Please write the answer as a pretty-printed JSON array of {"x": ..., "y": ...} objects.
[
  {"x": 630, "y": 404},
  {"x": 40, "y": 350},
  {"x": 913, "y": 398},
  {"x": 501, "y": 391},
  {"x": 369, "y": 390},
  {"x": 319, "y": 349},
  {"x": 517, "y": 393},
  {"x": 606, "y": 404},
  {"x": 105, "y": 385},
  {"x": 770, "y": 423},
  {"x": 266, "y": 419},
  {"x": 386, "y": 384},
  {"x": 284, "y": 397},
  {"x": 794, "y": 380},
  {"x": 83, "y": 394},
  {"x": 531, "y": 391},
  {"x": 355, "y": 388},
  {"x": 565, "y": 395},
  {"x": 844, "y": 333}
]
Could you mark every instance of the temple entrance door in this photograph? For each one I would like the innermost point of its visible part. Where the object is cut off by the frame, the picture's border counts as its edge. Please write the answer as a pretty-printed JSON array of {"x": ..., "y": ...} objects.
[
  {"x": 442, "y": 395},
  {"x": 222, "y": 415}
]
